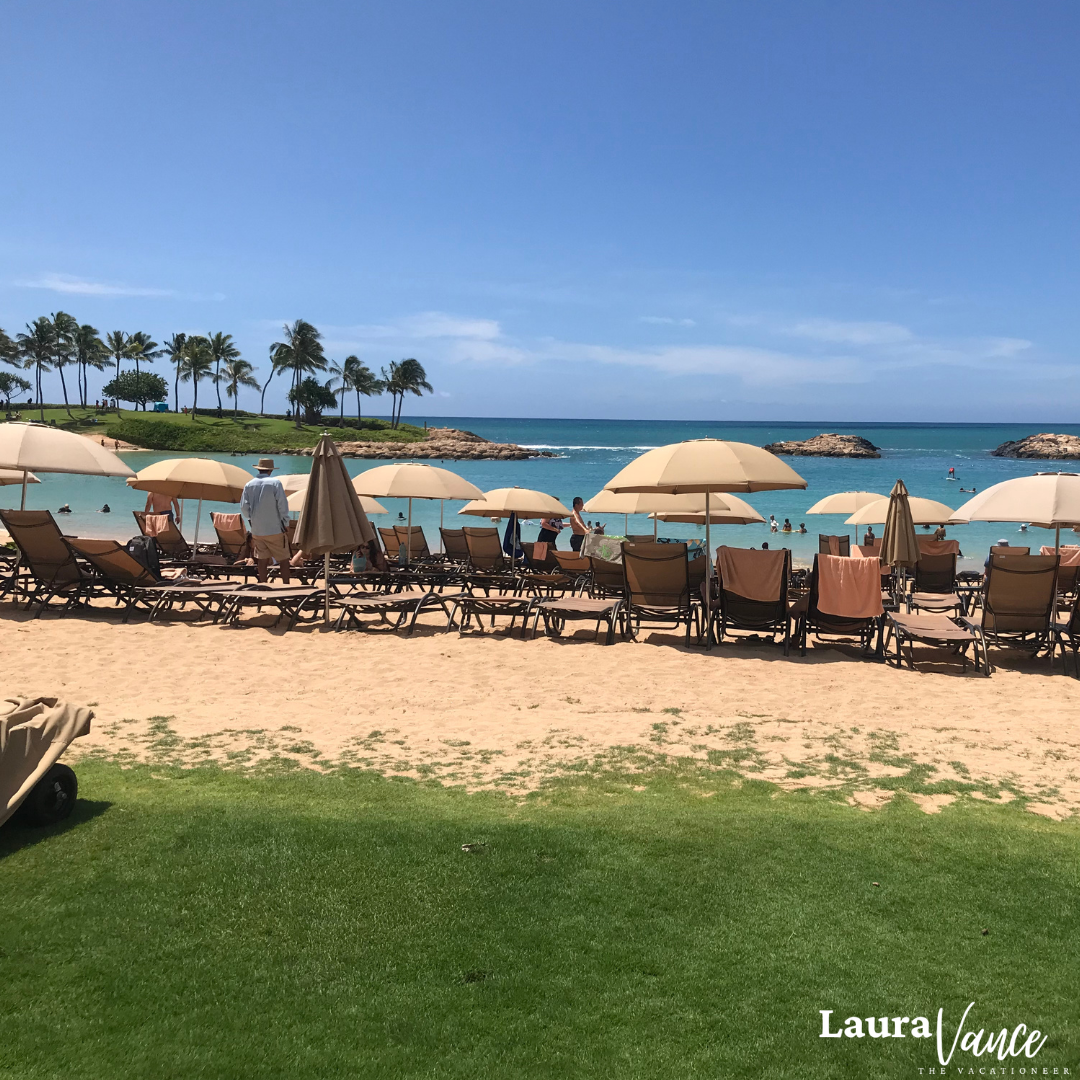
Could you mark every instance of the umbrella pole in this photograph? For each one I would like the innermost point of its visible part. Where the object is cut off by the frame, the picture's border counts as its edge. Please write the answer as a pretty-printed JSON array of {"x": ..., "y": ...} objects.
[
  {"x": 198, "y": 516},
  {"x": 626, "y": 524},
  {"x": 22, "y": 505},
  {"x": 654, "y": 524},
  {"x": 442, "y": 507},
  {"x": 1057, "y": 540},
  {"x": 408, "y": 537},
  {"x": 326, "y": 582},
  {"x": 708, "y": 577}
]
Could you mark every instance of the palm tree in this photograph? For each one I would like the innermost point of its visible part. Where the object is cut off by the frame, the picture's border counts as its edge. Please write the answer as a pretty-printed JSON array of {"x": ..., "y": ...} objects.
[
  {"x": 301, "y": 353},
  {"x": 274, "y": 369},
  {"x": 174, "y": 350},
  {"x": 405, "y": 377},
  {"x": 339, "y": 376},
  {"x": 9, "y": 351},
  {"x": 359, "y": 377},
  {"x": 143, "y": 348},
  {"x": 221, "y": 345},
  {"x": 37, "y": 349},
  {"x": 89, "y": 353},
  {"x": 118, "y": 346},
  {"x": 65, "y": 330},
  {"x": 238, "y": 372},
  {"x": 198, "y": 363}
]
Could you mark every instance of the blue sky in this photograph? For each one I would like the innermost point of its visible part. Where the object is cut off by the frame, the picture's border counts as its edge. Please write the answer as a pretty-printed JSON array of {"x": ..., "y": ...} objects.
[{"x": 777, "y": 210}]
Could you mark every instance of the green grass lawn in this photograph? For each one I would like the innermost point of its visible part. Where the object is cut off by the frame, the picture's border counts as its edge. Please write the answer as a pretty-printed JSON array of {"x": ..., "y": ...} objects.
[
  {"x": 204, "y": 923},
  {"x": 246, "y": 433}
]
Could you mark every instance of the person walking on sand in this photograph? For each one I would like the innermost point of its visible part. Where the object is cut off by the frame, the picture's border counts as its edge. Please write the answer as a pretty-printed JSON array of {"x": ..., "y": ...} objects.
[
  {"x": 578, "y": 529},
  {"x": 264, "y": 504}
]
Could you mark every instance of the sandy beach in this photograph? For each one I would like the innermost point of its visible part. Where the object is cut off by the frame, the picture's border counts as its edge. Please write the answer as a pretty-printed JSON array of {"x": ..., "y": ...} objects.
[{"x": 487, "y": 711}]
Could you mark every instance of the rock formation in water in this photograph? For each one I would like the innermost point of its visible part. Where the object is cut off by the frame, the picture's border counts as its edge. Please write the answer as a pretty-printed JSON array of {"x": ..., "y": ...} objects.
[
  {"x": 441, "y": 444},
  {"x": 1043, "y": 446},
  {"x": 828, "y": 445}
]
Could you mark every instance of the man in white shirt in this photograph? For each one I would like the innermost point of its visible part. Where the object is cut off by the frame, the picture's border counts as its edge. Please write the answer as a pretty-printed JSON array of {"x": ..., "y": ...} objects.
[{"x": 264, "y": 504}]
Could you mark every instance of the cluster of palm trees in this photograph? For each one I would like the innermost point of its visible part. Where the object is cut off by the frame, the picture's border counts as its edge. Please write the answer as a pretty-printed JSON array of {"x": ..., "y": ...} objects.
[{"x": 58, "y": 342}]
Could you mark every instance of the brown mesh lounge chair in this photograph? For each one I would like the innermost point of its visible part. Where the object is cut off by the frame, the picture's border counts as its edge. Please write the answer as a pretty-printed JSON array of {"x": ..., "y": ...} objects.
[
  {"x": 936, "y": 629},
  {"x": 169, "y": 539},
  {"x": 289, "y": 601},
  {"x": 417, "y": 546},
  {"x": 1019, "y": 598},
  {"x": 1008, "y": 549},
  {"x": 390, "y": 542},
  {"x": 608, "y": 579},
  {"x": 408, "y": 605},
  {"x": 753, "y": 592},
  {"x": 846, "y": 604},
  {"x": 833, "y": 545},
  {"x": 454, "y": 547},
  {"x": 1067, "y": 631},
  {"x": 576, "y": 567},
  {"x": 489, "y": 565},
  {"x": 656, "y": 578},
  {"x": 233, "y": 539},
  {"x": 934, "y": 588},
  {"x": 543, "y": 576},
  {"x": 557, "y": 611},
  {"x": 53, "y": 569}
]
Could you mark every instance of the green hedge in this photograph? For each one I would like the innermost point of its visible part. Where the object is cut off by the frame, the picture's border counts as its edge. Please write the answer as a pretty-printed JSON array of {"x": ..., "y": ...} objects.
[{"x": 227, "y": 438}]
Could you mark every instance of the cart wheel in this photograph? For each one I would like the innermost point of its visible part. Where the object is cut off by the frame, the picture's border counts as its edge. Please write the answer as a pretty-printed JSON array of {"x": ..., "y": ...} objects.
[{"x": 52, "y": 798}]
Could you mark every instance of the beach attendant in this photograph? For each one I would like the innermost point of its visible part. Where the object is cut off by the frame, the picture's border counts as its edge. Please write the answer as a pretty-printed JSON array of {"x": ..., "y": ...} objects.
[{"x": 264, "y": 504}]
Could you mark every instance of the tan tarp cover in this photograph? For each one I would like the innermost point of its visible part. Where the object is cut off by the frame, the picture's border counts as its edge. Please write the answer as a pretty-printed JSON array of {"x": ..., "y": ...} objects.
[
  {"x": 48, "y": 449},
  {"x": 706, "y": 465},
  {"x": 332, "y": 518},
  {"x": 755, "y": 575},
  {"x": 34, "y": 732},
  {"x": 849, "y": 588}
]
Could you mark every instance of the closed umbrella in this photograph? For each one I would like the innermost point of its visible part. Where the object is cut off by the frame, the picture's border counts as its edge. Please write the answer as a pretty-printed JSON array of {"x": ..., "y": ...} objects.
[
  {"x": 1047, "y": 500},
  {"x": 413, "y": 480},
  {"x": 193, "y": 478},
  {"x": 43, "y": 448},
  {"x": 332, "y": 518},
  {"x": 899, "y": 544},
  {"x": 706, "y": 466}
]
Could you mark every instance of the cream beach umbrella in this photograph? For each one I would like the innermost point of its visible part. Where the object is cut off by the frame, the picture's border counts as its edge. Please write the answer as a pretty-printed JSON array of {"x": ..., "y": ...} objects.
[
  {"x": 332, "y": 518},
  {"x": 646, "y": 502},
  {"x": 706, "y": 466},
  {"x": 370, "y": 506},
  {"x": 845, "y": 502},
  {"x": 42, "y": 448},
  {"x": 923, "y": 512},
  {"x": 899, "y": 544},
  {"x": 294, "y": 482},
  {"x": 1047, "y": 500},
  {"x": 193, "y": 478},
  {"x": 732, "y": 511},
  {"x": 413, "y": 480},
  {"x": 9, "y": 477},
  {"x": 519, "y": 501}
]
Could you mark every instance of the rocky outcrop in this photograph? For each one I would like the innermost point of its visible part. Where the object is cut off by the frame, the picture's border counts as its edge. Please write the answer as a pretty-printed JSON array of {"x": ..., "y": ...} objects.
[
  {"x": 828, "y": 445},
  {"x": 1043, "y": 446},
  {"x": 441, "y": 444}
]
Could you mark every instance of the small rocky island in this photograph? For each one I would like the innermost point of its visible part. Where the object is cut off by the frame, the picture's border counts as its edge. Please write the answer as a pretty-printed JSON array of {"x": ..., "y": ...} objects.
[
  {"x": 828, "y": 445},
  {"x": 1044, "y": 446},
  {"x": 441, "y": 444}
]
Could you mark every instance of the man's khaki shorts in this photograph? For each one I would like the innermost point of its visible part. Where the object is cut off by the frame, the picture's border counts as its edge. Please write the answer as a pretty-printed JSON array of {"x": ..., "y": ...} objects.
[{"x": 272, "y": 547}]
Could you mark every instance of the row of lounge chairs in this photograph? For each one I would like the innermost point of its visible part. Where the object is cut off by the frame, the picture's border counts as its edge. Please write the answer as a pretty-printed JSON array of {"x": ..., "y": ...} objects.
[{"x": 655, "y": 586}]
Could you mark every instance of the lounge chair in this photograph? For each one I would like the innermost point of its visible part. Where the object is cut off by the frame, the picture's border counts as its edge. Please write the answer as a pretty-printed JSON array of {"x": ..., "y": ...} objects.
[
  {"x": 543, "y": 576},
  {"x": 575, "y": 566},
  {"x": 1008, "y": 549},
  {"x": 120, "y": 574},
  {"x": 833, "y": 545},
  {"x": 167, "y": 536},
  {"x": 557, "y": 611},
  {"x": 53, "y": 570},
  {"x": 390, "y": 543},
  {"x": 454, "y": 547},
  {"x": 234, "y": 540},
  {"x": 1068, "y": 567},
  {"x": 935, "y": 629},
  {"x": 488, "y": 563},
  {"x": 753, "y": 592},
  {"x": 1067, "y": 632},
  {"x": 844, "y": 601},
  {"x": 934, "y": 587},
  {"x": 290, "y": 602},
  {"x": 416, "y": 546},
  {"x": 607, "y": 580},
  {"x": 656, "y": 578},
  {"x": 1019, "y": 599},
  {"x": 408, "y": 605}
]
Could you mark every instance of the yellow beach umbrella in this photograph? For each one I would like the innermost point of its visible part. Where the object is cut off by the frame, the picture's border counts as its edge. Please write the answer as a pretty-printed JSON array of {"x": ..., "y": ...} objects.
[
  {"x": 845, "y": 502},
  {"x": 522, "y": 502},
  {"x": 923, "y": 512},
  {"x": 1046, "y": 500},
  {"x": 707, "y": 466},
  {"x": 294, "y": 482},
  {"x": 370, "y": 506},
  {"x": 732, "y": 511},
  {"x": 648, "y": 502}
]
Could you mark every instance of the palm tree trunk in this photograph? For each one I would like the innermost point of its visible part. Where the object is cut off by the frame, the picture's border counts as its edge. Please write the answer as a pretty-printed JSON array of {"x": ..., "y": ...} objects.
[
  {"x": 63, "y": 385},
  {"x": 137, "y": 382},
  {"x": 41, "y": 404},
  {"x": 262, "y": 396},
  {"x": 217, "y": 381},
  {"x": 358, "y": 410},
  {"x": 176, "y": 390},
  {"x": 195, "y": 403}
]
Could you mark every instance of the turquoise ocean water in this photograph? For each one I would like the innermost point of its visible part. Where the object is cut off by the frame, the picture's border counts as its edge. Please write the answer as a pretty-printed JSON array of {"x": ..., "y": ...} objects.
[{"x": 590, "y": 452}]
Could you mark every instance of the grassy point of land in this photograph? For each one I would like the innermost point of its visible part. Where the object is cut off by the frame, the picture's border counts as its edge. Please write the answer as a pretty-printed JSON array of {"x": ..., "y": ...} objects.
[
  {"x": 284, "y": 924},
  {"x": 207, "y": 433}
]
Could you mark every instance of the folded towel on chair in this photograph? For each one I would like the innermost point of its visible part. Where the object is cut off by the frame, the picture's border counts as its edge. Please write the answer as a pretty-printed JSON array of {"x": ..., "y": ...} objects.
[{"x": 849, "y": 588}]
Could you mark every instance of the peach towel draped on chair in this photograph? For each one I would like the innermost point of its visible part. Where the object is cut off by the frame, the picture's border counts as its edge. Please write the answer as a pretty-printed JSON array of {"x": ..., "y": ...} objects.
[
  {"x": 849, "y": 588},
  {"x": 228, "y": 522},
  {"x": 929, "y": 546},
  {"x": 156, "y": 524},
  {"x": 1070, "y": 554}
]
